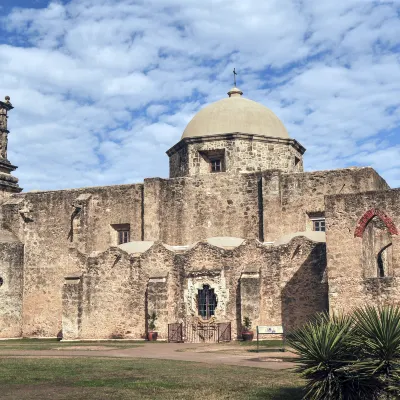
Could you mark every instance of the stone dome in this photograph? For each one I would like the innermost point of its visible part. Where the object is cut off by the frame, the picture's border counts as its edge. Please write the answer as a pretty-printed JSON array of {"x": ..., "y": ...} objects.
[{"x": 235, "y": 114}]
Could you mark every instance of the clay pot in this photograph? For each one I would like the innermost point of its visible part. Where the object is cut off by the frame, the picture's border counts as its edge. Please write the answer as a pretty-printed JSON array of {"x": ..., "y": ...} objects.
[
  {"x": 152, "y": 336},
  {"x": 247, "y": 335}
]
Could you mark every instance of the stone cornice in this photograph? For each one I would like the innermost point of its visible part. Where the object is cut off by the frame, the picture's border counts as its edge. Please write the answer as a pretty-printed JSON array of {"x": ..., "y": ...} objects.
[
  {"x": 235, "y": 135},
  {"x": 7, "y": 165},
  {"x": 7, "y": 106}
]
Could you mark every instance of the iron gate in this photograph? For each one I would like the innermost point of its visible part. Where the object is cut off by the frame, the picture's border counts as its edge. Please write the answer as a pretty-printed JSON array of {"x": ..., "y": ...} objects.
[
  {"x": 199, "y": 331},
  {"x": 175, "y": 333},
  {"x": 224, "y": 332}
]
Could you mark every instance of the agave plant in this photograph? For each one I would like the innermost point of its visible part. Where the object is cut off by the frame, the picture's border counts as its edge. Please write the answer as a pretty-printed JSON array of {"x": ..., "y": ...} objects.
[
  {"x": 326, "y": 349},
  {"x": 377, "y": 336}
]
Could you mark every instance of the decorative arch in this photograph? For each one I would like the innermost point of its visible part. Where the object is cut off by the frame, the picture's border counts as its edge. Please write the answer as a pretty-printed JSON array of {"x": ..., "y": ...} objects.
[{"x": 362, "y": 223}]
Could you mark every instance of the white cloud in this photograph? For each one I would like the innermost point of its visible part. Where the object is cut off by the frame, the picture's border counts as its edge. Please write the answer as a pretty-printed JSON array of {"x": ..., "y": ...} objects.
[{"x": 102, "y": 88}]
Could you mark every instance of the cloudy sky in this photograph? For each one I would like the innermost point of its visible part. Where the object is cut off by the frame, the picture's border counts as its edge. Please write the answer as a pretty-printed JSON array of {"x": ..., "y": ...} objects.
[{"x": 102, "y": 88}]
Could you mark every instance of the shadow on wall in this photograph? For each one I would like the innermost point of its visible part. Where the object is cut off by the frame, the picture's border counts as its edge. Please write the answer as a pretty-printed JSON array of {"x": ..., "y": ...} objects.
[{"x": 306, "y": 293}]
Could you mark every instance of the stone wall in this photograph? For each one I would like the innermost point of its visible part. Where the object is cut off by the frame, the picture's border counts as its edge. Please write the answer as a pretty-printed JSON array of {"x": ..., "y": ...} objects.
[
  {"x": 265, "y": 205},
  {"x": 240, "y": 152},
  {"x": 11, "y": 288},
  {"x": 185, "y": 210},
  {"x": 116, "y": 291},
  {"x": 180, "y": 211},
  {"x": 290, "y": 199},
  {"x": 48, "y": 225},
  {"x": 353, "y": 254}
]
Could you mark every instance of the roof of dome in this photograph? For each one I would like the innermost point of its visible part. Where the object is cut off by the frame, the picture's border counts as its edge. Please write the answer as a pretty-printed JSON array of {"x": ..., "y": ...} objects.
[{"x": 235, "y": 114}]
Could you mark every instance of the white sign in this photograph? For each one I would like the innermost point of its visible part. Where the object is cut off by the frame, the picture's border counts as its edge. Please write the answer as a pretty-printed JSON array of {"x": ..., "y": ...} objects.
[{"x": 269, "y": 329}]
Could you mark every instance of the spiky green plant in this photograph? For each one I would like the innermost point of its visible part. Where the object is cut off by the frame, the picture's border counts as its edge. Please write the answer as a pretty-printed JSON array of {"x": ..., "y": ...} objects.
[
  {"x": 325, "y": 347},
  {"x": 377, "y": 337}
]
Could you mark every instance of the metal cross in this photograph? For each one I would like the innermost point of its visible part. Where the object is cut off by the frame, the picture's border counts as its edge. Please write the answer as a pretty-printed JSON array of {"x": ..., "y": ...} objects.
[{"x": 234, "y": 77}]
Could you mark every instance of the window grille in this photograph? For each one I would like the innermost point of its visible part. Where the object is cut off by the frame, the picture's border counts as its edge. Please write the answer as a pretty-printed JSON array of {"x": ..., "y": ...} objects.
[{"x": 207, "y": 302}]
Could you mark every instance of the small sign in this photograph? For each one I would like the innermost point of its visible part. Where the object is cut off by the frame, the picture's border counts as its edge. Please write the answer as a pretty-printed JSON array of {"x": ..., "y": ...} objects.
[{"x": 269, "y": 329}]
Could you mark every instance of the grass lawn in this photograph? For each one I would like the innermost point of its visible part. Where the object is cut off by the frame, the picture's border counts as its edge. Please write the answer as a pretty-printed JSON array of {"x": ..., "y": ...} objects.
[
  {"x": 110, "y": 378},
  {"x": 49, "y": 344}
]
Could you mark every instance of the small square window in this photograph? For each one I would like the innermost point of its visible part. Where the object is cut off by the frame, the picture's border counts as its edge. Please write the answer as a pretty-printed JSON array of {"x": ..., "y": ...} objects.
[
  {"x": 216, "y": 165},
  {"x": 123, "y": 237},
  {"x": 319, "y": 225},
  {"x": 121, "y": 233}
]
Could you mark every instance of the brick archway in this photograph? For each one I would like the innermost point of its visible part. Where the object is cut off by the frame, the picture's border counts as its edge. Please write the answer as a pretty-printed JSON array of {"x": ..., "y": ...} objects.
[{"x": 362, "y": 223}]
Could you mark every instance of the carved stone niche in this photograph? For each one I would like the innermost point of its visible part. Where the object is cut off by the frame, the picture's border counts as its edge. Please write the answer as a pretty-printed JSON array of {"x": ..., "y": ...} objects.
[
  {"x": 195, "y": 281},
  {"x": 77, "y": 216}
]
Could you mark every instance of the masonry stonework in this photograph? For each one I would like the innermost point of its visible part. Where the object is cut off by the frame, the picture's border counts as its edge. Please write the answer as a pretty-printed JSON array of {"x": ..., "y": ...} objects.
[{"x": 238, "y": 222}]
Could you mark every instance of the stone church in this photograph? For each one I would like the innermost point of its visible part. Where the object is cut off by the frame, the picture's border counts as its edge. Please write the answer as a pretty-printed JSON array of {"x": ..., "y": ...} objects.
[{"x": 238, "y": 230}]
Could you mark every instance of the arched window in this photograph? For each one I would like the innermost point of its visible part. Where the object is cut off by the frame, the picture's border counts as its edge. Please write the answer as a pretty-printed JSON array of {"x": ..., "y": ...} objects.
[
  {"x": 377, "y": 249},
  {"x": 207, "y": 302}
]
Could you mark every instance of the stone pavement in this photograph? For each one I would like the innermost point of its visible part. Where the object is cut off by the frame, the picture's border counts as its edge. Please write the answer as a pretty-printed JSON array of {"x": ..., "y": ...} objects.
[{"x": 170, "y": 351}]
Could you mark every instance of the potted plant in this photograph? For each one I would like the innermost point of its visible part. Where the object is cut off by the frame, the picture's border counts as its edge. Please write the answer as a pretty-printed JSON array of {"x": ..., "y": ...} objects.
[
  {"x": 152, "y": 333},
  {"x": 247, "y": 333}
]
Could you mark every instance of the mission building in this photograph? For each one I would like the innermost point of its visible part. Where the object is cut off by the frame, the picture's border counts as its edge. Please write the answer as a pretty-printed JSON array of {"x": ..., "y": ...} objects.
[{"x": 238, "y": 230}]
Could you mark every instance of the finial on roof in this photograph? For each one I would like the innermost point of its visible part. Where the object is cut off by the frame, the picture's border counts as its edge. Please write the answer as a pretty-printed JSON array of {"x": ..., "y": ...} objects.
[
  {"x": 7, "y": 98},
  {"x": 235, "y": 92}
]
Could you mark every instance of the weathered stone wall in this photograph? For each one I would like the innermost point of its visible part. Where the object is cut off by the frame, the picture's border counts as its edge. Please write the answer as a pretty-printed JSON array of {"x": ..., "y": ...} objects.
[
  {"x": 11, "y": 288},
  {"x": 241, "y": 153},
  {"x": 185, "y": 210},
  {"x": 45, "y": 222},
  {"x": 117, "y": 291},
  {"x": 290, "y": 199},
  {"x": 265, "y": 205},
  {"x": 261, "y": 205},
  {"x": 113, "y": 298},
  {"x": 352, "y": 280}
]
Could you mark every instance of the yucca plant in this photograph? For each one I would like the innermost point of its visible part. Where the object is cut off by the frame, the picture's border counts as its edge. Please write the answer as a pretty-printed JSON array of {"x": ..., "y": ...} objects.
[
  {"x": 377, "y": 337},
  {"x": 326, "y": 349}
]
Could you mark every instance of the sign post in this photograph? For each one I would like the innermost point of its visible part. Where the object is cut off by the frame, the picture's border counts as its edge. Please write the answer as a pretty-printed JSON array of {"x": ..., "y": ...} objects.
[{"x": 270, "y": 330}]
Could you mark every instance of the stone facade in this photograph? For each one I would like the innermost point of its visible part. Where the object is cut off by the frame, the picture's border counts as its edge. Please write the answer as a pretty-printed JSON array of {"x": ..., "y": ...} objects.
[
  {"x": 239, "y": 152},
  {"x": 364, "y": 249},
  {"x": 95, "y": 262}
]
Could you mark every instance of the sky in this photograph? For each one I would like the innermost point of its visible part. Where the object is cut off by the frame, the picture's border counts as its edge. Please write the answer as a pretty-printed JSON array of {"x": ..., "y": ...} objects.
[{"x": 102, "y": 88}]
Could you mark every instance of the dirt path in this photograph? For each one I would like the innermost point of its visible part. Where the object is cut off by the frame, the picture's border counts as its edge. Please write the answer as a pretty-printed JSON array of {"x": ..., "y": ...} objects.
[{"x": 170, "y": 351}]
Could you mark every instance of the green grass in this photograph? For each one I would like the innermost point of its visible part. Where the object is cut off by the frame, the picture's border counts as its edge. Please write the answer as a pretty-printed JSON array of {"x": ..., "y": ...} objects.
[
  {"x": 49, "y": 344},
  {"x": 265, "y": 346},
  {"x": 97, "y": 379}
]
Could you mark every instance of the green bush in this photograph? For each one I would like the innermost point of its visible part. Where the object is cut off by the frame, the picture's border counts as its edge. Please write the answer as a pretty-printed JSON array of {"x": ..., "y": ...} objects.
[{"x": 350, "y": 357}]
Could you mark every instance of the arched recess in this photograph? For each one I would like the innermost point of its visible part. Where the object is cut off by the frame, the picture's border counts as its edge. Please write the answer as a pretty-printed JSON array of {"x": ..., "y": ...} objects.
[
  {"x": 367, "y": 217},
  {"x": 377, "y": 249}
]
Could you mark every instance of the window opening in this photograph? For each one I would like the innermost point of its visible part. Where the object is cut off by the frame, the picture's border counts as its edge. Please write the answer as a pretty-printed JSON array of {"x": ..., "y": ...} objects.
[
  {"x": 216, "y": 165},
  {"x": 319, "y": 225},
  {"x": 382, "y": 262},
  {"x": 377, "y": 249},
  {"x": 123, "y": 237},
  {"x": 121, "y": 233},
  {"x": 207, "y": 302}
]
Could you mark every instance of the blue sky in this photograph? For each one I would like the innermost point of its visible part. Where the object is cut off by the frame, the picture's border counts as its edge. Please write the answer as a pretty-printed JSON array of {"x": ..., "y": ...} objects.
[{"x": 102, "y": 88}]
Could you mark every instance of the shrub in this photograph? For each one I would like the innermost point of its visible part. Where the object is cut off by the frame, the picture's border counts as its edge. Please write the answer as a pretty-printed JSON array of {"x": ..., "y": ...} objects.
[
  {"x": 350, "y": 357},
  {"x": 152, "y": 321},
  {"x": 246, "y": 323}
]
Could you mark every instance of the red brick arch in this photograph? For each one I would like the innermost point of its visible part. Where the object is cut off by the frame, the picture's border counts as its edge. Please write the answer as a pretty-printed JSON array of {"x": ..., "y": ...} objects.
[{"x": 362, "y": 223}]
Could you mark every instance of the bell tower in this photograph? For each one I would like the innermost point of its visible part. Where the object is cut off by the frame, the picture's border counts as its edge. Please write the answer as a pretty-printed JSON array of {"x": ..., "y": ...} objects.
[{"x": 8, "y": 183}]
